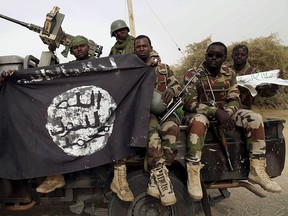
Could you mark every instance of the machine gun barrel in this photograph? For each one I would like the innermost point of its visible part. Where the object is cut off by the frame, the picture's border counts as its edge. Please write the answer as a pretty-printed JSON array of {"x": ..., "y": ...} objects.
[
  {"x": 30, "y": 26},
  {"x": 52, "y": 33}
]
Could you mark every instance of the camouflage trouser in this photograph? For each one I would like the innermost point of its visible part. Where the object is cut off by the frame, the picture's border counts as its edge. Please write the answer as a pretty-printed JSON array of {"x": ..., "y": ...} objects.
[
  {"x": 251, "y": 122},
  {"x": 162, "y": 146}
]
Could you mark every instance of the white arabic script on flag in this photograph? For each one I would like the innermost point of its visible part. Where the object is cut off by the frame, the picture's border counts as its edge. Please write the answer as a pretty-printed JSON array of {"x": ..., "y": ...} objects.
[{"x": 263, "y": 78}]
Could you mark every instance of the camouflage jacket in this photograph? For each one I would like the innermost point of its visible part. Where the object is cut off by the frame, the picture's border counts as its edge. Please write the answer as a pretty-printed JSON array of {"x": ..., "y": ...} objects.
[
  {"x": 246, "y": 70},
  {"x": 165, "y": 79},
  {"x": 245, "y": 96},
  {"x": 200, "y": 99}
]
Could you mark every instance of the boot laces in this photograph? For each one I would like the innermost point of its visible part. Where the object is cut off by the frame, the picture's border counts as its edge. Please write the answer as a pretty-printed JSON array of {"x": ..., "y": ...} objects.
[
  {"x": 50, "y": 180},
  {"x": 163, "y": 184},
  {"x": 122, "y": 178},
  {"x": 194, "y": 175},
  {"x": 262, "y": 173}
]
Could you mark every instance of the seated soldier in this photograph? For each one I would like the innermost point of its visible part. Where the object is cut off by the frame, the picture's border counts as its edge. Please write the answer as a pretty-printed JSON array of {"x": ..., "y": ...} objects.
[
  {"x": 242, "y": 67},
  {"x": 214, "y": 95},
  {"x": 162, "y": 146}
]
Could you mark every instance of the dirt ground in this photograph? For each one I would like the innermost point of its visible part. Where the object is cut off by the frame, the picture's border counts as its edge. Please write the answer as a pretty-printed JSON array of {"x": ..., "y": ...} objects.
[{"x": 244, "y": 203}]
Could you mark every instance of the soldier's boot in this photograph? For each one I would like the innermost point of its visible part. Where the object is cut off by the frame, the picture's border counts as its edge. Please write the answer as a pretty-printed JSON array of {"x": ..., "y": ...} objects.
[
  {"x": 120, "y": 185},
  {"x": 152, "y": 187},
  {"x": 167, "y": 195},
  {"x": 51, "y": 183},
  {"x": 193, "y": 180},
  {"x": 258, "y": 175}
]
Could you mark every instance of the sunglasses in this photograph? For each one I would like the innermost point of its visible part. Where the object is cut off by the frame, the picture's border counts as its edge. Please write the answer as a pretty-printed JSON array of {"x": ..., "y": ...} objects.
[{"x": 216, "y": 54}]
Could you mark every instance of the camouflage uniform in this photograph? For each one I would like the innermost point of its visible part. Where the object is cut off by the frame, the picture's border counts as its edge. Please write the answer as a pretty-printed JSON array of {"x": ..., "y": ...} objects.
[
  {"x": 200, "y": 111},
  {"x": 162, "y": 145},
  {"x": 245, "y": 96}
]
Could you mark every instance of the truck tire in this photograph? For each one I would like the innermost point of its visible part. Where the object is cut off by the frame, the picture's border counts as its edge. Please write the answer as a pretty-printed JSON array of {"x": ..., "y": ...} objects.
[{"x": 144, "y": 205}]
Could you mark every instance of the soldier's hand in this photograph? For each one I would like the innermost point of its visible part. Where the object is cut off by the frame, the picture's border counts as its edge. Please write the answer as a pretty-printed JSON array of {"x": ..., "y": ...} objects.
[
  {"x": 5, "y": 74},
  {"x": 167, "y": 96},
  {"x": 224, "y": 119},
  {"x": 268, "y": 90},
  {"x": 153, "y": 61}
]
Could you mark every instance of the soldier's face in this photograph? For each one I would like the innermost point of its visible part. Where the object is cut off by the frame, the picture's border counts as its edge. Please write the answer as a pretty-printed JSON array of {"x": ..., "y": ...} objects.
[
  {"x": 121, "y": 34},
  {"x": 142, "y": 49},
  {"x": 215, "y": 56},
  {"x": 80, "y": 51},
  {"x": 240, "y": 56}
]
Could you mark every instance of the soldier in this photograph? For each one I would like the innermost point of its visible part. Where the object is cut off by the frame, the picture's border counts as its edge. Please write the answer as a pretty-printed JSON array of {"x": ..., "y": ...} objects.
[
  {"x": 214, "y": 95},
  {"x": 242, "y": 67},
  {"x": 162, "y": 147},
  {"x": 79, "y": 48},
  {"x": 124, "y": 45}
]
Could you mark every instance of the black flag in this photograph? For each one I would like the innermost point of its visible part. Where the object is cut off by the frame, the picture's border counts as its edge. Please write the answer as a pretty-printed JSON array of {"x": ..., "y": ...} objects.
[{"x": 75, "y": 116}]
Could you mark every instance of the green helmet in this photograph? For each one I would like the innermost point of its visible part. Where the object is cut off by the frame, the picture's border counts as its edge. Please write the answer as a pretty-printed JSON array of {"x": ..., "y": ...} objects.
[
  {"x": 118, "y": 24},
  {"x": 157, "y": 107}
]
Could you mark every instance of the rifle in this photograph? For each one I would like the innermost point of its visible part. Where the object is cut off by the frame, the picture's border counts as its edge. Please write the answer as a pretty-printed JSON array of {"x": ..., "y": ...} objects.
[
  {"x": 178, "y": 101},
  {"x": 225, "y": 145},
  {"x": 52, "y": 33}
]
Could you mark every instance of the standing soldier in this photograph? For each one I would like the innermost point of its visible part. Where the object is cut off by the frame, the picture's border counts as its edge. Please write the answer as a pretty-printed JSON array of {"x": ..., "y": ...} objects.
[
  {"x": 79, "y": 48},
  {"x": 125, "y": 43},
  {"x": 214, "y": 95},
  {"x": 162, "y": 147}
]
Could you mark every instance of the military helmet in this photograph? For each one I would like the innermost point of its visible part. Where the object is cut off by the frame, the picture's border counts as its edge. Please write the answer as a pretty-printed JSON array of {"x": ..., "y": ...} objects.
[
  {"x": 116, "y": 25},
  {"x": 157, "y": 107}
]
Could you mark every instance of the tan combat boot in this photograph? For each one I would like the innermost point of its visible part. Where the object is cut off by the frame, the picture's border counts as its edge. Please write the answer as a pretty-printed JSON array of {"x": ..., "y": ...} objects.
[
  {"x": 152, "y": 187},
  {"x": 193, "y": 181},
  {"x": 167, "y": 195},
  {"x": 120, "y": 185},
  {"x": 51, "y": 183},
  {"x": 259, "y": 176}
]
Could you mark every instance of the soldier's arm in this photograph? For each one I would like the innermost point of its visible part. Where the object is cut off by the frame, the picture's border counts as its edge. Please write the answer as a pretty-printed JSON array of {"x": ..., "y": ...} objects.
[
  {"x": 233, "y": 99},
  {"x": 172, "y": 81}
]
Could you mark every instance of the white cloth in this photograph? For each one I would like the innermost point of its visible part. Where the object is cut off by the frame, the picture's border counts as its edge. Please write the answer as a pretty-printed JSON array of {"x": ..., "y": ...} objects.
[{"x": 263, "y": 78}]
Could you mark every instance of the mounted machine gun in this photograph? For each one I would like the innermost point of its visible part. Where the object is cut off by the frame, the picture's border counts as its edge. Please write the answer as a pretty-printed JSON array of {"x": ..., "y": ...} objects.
[{"x": 53, "y": 35}]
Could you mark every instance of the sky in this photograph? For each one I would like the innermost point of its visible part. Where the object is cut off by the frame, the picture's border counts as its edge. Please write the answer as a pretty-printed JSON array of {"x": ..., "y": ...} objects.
[{"x": 170, "y": 24}]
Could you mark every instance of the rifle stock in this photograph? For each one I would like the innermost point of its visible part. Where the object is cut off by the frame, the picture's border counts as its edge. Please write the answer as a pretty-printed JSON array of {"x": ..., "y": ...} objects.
[{"x": 225, "y": 146}]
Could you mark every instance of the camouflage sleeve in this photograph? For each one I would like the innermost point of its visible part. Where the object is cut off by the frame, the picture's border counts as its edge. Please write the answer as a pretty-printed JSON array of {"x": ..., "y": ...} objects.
[
  {"x": 153, "y": 53},
  {"x": 233, "y": 98},
  {"x": 191, "y": 103},
  {"x": 172, "y": 82}
]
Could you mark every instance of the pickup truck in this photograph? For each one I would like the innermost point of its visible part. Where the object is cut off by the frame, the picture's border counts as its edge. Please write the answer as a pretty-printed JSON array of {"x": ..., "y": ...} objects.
[{"x": 87, "y": 192}]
